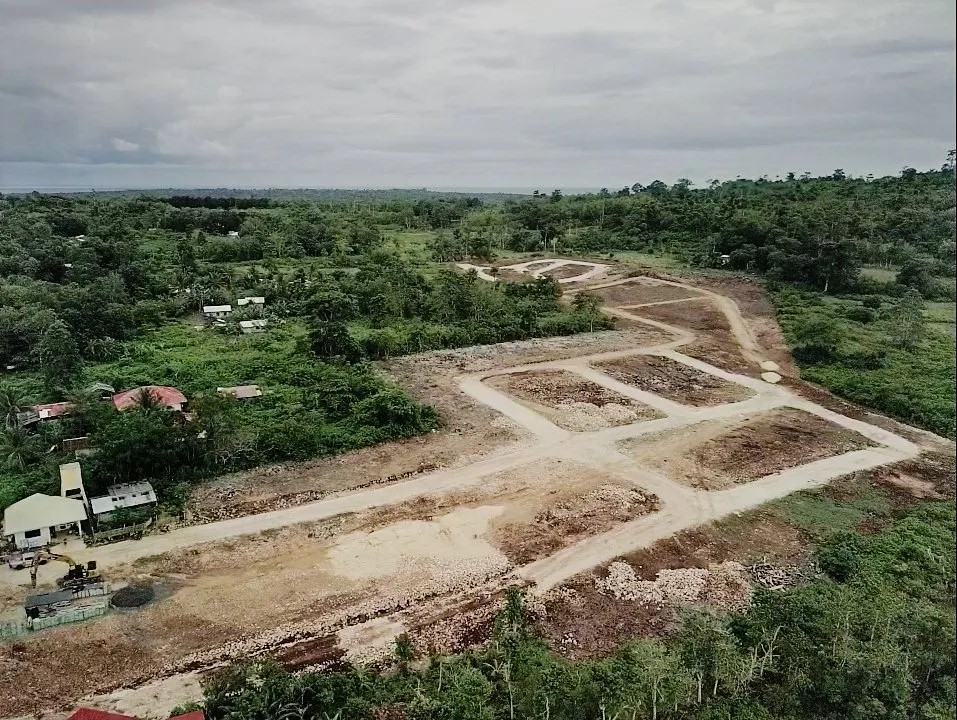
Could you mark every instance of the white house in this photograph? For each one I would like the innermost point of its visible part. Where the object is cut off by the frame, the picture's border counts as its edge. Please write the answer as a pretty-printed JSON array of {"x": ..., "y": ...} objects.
[
  {"x": 127, "y": 495},
  {"x": 252, "y": 326},
  {"x": 36, "y": 520},
  {"x": 211, "y": 312},
  {"x": 251, "y": 300},
  {"x": 233, "y": 233}
]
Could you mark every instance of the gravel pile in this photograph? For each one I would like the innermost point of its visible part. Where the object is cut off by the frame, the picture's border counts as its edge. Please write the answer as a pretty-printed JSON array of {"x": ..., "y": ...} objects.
[
  {"x": 724, "y": 585},
  {"x": 586, "y": 417},
  {"x": 776, "y": 577}
]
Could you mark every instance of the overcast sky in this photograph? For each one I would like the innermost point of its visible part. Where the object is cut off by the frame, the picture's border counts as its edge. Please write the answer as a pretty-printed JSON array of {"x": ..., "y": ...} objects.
[{"x": 468, "y": 93}]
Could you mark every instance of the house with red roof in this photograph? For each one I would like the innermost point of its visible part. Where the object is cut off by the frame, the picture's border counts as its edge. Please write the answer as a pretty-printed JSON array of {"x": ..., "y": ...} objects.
[
  {"x": 92, "y": 714},
  {"x": 170, "y": 397}
]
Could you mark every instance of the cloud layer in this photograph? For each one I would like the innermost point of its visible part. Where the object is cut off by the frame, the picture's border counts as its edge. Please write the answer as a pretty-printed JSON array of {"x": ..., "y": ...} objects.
[{"x": 477, "y": 93}]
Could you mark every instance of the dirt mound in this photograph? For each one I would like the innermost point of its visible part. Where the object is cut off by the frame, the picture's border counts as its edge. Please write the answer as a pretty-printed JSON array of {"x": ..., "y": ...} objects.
[{"x": 725, "y": 585}]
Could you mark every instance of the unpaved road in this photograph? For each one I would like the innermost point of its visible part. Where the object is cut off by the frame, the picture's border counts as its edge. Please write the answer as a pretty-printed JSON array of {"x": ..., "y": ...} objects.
[{"x": 681, "y": 506}]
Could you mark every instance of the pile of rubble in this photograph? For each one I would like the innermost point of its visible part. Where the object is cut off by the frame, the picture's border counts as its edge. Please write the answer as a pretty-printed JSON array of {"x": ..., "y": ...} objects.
[
  {"x": 776, "y": 577},
  {"x": 724, "y": 585},
  {"x": 615, "y": 500}
]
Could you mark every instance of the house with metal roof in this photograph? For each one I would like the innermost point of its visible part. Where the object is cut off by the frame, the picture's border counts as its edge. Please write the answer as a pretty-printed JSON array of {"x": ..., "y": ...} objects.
[
  {"x": 36, "y": 520},
  {"x": 249, "y": 327},
  {"x": 251, "y": 300},
  {"x": 168, "y": 396},
  {"x": 213, "y": 312},
  {"x": 241, "y": 392},
  {"x": 126, "y": 495}
]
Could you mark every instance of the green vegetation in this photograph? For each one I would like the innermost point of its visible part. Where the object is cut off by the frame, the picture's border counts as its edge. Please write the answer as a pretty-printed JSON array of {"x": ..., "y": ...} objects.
[
  {"x": 120, "y": 304},
  {"x": 873, "y": 638},
  {"x": 874, "y": 350}
]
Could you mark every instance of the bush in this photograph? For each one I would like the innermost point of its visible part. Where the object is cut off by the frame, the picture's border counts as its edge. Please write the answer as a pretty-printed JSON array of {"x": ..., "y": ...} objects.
[{"x": 862, "y": 315}]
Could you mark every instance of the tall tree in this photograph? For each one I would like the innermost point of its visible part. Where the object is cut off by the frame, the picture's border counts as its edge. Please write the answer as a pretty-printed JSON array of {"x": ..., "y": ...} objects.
[
  {"x": 908, "y": 319},
  {"x": 59, "y": 357}
]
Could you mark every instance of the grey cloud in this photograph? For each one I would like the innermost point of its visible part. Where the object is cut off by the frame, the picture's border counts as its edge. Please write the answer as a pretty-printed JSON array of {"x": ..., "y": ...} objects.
[{"x": 442, "y": 93}]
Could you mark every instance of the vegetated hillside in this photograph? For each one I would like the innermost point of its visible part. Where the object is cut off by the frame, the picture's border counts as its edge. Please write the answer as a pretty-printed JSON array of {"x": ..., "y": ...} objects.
[
  {"x": 873, "y": 638},
  {"x": 91, "y": 294}
]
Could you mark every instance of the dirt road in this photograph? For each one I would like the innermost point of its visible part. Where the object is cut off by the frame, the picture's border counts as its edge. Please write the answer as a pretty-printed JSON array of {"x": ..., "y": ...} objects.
[{"x": 680, "y": 506}]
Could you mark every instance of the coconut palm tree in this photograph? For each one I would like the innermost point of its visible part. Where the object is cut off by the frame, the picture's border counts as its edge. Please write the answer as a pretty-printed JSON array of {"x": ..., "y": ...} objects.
[{"x": 11, "y": 403}]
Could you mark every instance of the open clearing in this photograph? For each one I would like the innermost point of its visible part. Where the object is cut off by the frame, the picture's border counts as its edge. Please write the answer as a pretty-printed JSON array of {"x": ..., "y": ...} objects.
[
  {"x": 324, "y": 562},
  {"x": 675, "y": 381},
  {"x": 722, "y": 453},
  {"x": 644, "y": 290},
  {"x": 572, "y": 402}
]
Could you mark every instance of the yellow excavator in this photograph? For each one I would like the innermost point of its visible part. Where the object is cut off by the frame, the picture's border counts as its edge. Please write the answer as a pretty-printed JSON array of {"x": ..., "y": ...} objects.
[{"x": 77, "y": 576}]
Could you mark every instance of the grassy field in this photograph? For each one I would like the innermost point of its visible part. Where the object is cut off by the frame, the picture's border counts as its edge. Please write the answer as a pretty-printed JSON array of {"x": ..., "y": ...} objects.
[
  {"x": 915, "y": 385},
  {"x": 880, "y": 274}
]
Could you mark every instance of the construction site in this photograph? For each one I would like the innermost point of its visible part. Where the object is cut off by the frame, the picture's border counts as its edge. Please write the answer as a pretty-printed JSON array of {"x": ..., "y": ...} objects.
[{"x": 607, "y": 473}]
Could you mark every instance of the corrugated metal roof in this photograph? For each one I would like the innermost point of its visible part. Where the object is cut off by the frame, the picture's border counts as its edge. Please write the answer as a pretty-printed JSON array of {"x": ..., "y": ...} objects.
[
  {"x": 241, "y": 392},
  {"x": 91, "y": 714},
  {"x": 48, "y": 599},
  {"x": 169, "y": 396},
  {"x": 217, "y": 308},
  {"x": 40, "y": 511}
]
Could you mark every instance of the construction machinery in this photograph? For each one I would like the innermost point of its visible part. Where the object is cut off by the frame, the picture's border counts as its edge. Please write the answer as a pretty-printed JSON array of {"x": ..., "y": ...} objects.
[{"x": 77, "y": 576}]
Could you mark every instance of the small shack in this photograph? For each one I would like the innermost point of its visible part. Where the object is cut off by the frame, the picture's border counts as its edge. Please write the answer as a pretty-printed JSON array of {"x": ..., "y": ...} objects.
[
  {"x": 35, "y": 521},
  {"x": 241, "y": 392},
  {"x": 249, "y": 327},
  {"x": 251, "y": 300}
]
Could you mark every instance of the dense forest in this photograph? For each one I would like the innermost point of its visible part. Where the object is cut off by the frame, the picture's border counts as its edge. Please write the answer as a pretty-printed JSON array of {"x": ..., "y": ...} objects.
[
  {"x": 873, "y": 637},
  {"x": 107, "y": 289}
]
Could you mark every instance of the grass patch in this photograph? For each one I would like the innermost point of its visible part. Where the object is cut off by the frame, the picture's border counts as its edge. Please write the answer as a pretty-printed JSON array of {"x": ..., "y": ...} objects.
[{"x": 820, "y": 514}]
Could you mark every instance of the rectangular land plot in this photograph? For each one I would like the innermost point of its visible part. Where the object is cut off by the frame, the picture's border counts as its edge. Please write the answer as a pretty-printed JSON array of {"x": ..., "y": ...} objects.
[
  {"x": 570, "y": 401},
  {"x": 674, "y": 380},
  {"x": 722, "y": 453},
  {"x": 643, "y": 290}
]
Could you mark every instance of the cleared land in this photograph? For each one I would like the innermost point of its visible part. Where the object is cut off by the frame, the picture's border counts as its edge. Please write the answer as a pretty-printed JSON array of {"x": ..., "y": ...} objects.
[
  {"x": 719, "y": 454},
  {"x": 572, "y": 402},
  {"x": 643, "y": 291},
  {"x": 674, "y": 381},
  {"x": 515, "y": 500}
]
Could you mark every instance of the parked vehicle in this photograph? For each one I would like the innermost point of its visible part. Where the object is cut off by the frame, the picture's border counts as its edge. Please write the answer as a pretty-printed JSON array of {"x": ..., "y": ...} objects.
[{"x": 24, "y": 559}]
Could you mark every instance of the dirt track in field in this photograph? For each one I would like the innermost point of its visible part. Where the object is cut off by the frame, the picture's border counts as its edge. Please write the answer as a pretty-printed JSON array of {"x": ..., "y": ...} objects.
[{"x": 302, "y": 583}]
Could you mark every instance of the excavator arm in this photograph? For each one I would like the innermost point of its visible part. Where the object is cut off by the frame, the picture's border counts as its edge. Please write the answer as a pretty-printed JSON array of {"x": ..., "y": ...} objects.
[{"x": 42, "y": 555}]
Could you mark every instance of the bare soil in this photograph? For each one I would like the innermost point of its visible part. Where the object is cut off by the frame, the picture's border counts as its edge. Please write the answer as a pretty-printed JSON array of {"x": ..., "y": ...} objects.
[
  {"x": 719, "y": 454},
  {"x": 644, "y": 290},
  {"x": 715, "y": 343},
  {"x": 582, "y": 622},
  {"x": 469, "y": 430},
  {"x": 674, "y": 380},
  {"x": 570, "y": 401},
  {"x": 567, "y": 271}
]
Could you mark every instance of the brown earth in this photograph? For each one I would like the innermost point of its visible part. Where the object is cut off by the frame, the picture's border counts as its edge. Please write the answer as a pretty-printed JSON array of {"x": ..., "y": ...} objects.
[
  {"x": 674, "y": 380},
  {"x": 718, "y": 454},
  {"x": 582, "y": 622},
  {"x": 567, "y": 271},
  {"x": 640, "y": 291},
  {"x": 570, "y": 401},
  {"x": 715, "y": 343}
]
